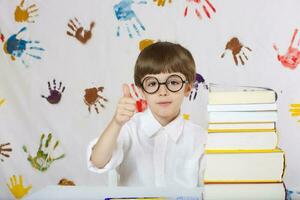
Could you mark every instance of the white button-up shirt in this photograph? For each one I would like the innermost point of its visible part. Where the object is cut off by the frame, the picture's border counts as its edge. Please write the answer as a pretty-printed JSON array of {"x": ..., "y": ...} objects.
[{"x": 148, "y": 154}]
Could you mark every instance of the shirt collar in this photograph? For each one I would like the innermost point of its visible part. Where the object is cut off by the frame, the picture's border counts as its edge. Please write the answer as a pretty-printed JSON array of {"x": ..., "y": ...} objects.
[{"x": 151, "y": 126}]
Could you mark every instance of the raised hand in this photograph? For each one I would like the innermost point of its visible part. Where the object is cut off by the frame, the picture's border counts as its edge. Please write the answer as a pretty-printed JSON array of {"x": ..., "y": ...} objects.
[
  {"x": 77, "y": 31},
  {"x": 127, "y": 18},
  {"x": 237, "y": 50},
  {"x": 25, "y": 14},
  {"x": 43, "y": 158},
  {"x": 197, "y": 4},
  {"x": 17, "y": 188},
  {"x": 161, "y": 2},
  {"x": 126, "y": 107}
]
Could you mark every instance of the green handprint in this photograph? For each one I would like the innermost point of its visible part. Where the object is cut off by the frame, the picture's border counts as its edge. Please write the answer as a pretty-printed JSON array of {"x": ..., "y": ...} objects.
[
  {"x": 17, "y": 188},
  {"x": 43, "y": 158}
]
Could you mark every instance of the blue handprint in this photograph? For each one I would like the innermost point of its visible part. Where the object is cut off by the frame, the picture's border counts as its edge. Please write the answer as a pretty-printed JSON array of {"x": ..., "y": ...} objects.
[
  {"x": 198, "y": 80},
  {"x": 17, "y": 47},
  {"x": 127, "y": 17}
]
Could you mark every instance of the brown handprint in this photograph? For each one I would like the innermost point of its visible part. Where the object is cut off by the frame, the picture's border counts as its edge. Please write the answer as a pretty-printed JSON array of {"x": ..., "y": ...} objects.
[
  {"x": 92, "y": 97},
  {"x": 4, "y": 150},
  {"x": 78, "y": 32},
  {"x": 25, "y": 14},
  {"x": 236, "y": 48}
]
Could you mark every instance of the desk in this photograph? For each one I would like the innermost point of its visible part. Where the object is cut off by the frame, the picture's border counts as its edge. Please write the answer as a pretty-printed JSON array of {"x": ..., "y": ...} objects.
[{"x": 55, "y": 192}]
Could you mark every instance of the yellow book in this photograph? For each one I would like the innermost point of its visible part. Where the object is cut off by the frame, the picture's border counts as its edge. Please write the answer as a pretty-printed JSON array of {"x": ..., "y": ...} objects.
[{"x": 244, "y": 166}]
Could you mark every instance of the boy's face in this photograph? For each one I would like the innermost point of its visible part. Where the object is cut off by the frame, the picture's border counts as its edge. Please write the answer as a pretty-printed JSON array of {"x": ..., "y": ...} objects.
[{"x": 164, "y": 93}]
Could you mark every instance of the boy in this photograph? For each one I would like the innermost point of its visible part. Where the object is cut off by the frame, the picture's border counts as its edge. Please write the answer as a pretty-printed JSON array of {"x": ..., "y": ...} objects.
[{"x": 156, "y": 147}]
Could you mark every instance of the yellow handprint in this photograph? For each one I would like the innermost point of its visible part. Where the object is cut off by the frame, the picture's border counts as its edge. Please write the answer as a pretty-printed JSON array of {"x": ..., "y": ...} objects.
[
  {"x": 161, "y": 2},
  {"x": 2, "y": 101},
  {"x": 295, "y": 110},
  {"x": 16, "y": 188},
  {"x": 24, "y": 14}
]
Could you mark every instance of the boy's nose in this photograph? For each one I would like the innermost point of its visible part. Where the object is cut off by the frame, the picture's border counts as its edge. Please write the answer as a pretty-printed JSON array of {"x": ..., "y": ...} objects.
[{"x": 162, "y": 91}]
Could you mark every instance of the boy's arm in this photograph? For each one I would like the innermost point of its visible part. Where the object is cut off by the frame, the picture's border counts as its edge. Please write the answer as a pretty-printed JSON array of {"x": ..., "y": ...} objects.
[{"x": 103, "y": 149}]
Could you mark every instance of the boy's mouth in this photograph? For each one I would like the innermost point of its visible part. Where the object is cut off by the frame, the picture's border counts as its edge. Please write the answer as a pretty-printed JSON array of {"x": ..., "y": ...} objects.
[{"x": 164, "y": 103}]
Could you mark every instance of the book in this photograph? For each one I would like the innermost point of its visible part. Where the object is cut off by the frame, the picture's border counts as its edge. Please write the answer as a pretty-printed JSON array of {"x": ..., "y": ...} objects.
[
  {"x": 264, "y": 116},
  {"x": 240, "y": 126},
  {"x": 244, "y": 97},
  {"x": 242, "y": 107},
  {"x": 228, "y": 94},
  {"x": 258, "y": 139},
  {"x": 248, "y": 191},
  {"x": 244, "y": 166}
]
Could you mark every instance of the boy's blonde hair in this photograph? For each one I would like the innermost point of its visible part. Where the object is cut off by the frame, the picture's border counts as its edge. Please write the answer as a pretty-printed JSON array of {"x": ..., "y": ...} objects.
[{"x": 164, "y": 57}]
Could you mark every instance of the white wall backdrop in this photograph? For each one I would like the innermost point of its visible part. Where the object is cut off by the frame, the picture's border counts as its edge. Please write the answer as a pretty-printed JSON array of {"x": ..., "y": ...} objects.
[{"x": 107, "y": 60}]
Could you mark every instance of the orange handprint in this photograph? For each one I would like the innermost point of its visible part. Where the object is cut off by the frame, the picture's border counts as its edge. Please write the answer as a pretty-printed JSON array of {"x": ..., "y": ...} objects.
[
  {"x": 78, "y": 32},
  {"x": 161, "y": 2},
  {"x": 24, "y": 14},
  {"x": 16, "y": 188}
]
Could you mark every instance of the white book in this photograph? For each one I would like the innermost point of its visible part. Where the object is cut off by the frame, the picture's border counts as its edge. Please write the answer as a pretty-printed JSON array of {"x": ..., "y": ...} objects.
[
  {"x": 238, "y": 166},
  {"x": 265, "y": 116},
  {"x": 261, "y": 191},
  {"x": 240, "y": 126},
  {"x": 242, "y": 107},
  {"x": 242, "y": 140}
]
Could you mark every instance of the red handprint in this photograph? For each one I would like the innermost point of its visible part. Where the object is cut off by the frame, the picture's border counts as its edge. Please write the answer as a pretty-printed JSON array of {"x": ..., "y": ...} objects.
[
  {"x": 292, "y": 57},
  {"x": 198, "y": 4},
  {"x": 141, "y": 104}
]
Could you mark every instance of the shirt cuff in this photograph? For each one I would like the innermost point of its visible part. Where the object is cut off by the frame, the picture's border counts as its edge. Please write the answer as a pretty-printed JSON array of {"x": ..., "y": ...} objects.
[{"x": 116, "y": 159}]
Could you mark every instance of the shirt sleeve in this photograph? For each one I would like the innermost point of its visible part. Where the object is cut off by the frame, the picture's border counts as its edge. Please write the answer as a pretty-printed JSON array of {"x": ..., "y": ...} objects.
[{"x": 123, "y": 143}]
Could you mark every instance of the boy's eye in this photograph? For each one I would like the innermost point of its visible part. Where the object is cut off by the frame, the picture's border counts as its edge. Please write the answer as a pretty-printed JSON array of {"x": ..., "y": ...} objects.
[
  {"x": 152, "y": 83},
  {"x": 173, "y": 82}
]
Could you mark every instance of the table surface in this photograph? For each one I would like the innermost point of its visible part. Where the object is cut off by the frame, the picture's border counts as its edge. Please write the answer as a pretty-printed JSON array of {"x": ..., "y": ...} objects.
[{"x": 101, "y": 192}]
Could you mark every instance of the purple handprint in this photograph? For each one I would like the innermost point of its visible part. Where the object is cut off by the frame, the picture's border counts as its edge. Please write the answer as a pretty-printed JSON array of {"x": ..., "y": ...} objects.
[
  {"x": 55, "y": 94},
  {"x": 127, "y": 17},
  {"x": 18, "y": 47},
  {"x": 198, "y": 80}
]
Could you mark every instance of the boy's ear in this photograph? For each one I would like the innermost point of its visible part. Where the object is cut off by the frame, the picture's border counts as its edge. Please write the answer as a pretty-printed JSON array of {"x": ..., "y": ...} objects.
[{"x": 188, "y": 89}]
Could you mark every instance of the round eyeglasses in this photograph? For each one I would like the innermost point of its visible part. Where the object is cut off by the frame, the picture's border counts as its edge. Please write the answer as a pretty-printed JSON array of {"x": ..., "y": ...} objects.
[{"x": 174, "y": 83}]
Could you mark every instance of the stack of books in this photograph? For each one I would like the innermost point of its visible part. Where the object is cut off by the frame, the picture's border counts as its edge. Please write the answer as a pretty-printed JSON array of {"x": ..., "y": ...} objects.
[{"x": 243, "y": 160}]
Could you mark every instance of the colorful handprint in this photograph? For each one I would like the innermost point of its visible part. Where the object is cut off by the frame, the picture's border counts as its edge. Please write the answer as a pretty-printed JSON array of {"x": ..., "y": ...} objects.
[
  {"x": 66, "y": 182},
  {"x": 55, "y": 93},
  {"x": 18, "y": 47},
  {"x": 292, "y": 57},
  {"x": 161, "y": 2},
  {"x": 198, "y": 80},
  {"x": 295, "y": 110},
  {"x": 92, "y": 98},
  {"x": 17, "y": 188},
  {"x": 141, "y": 104},
  {"x": 236, "y": 48},
  {"x": 144, "y": 43},
  {"x": 43, "y": 158},
  {"x": 4, "y": 149},
  {"x": 78, "y": 31},
  {"x": 197, "y": 4},
  {"x": 25, "y": 14},
  {"x": 2, "y": 101},
  {"x": 127, "y": 18}
]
